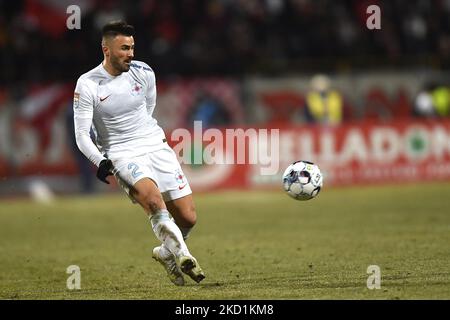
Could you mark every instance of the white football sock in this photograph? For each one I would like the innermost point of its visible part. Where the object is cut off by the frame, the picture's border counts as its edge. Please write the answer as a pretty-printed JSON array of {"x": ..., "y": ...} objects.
[
  {"x": 184, "y": 231},
  {"x": 168, "y": 233}
]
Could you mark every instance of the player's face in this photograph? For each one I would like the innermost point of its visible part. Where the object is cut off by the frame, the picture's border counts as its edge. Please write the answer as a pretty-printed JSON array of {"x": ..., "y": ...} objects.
[{"x": 121, "y": 52}]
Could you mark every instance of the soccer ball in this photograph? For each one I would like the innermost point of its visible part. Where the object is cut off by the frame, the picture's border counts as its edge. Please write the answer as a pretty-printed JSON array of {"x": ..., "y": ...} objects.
[{"x": 302, "y": 180}]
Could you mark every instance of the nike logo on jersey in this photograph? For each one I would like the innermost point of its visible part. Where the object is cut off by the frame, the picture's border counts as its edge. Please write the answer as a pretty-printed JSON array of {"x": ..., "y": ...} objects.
[
  {"x": 101, "y": 99},
  {"x": 182, "y": 187}
]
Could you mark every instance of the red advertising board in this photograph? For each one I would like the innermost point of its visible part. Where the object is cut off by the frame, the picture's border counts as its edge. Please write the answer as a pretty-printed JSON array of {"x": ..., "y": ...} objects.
[
  {"x": 35, "y": 140},
  {"x": 366, "y": 152},
  {"x": 373, "y": 152}
]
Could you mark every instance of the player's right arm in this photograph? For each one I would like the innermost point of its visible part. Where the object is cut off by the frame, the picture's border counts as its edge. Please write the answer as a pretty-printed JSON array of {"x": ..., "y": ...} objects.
[
  {"x": 83, "y": 110},
  {"x": 83, "y": 107}
]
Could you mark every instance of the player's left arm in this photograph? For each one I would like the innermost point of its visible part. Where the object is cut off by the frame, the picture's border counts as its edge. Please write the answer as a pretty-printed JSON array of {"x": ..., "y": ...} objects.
[{"x": 150, "y": 93}]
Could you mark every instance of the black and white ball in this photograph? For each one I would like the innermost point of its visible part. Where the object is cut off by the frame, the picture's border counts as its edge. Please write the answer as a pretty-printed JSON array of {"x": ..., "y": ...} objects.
[{"x": 302, "y": 180}]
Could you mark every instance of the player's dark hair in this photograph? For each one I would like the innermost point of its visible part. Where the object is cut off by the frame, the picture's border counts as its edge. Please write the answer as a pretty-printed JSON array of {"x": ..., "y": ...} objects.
[{"x": 114, "y": 28}]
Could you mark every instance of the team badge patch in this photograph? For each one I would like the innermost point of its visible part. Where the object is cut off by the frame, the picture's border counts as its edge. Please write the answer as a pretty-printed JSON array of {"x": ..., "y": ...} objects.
[
  {"x": 76, "y": 99},
  {"x": 179, "y": 176},
  {"x": 136, "y": 89}
]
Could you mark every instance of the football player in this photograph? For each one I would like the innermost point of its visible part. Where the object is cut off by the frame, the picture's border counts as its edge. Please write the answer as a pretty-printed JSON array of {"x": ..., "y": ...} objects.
[{"x": 117, "y": 98}]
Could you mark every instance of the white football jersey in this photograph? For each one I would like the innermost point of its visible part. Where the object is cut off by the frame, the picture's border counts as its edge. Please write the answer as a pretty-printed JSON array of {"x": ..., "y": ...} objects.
[{"x": 119, "y": 110}]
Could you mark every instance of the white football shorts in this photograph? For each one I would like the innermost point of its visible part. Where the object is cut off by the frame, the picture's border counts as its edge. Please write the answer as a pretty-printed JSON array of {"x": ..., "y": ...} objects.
[{"x": 161, "y": 166}]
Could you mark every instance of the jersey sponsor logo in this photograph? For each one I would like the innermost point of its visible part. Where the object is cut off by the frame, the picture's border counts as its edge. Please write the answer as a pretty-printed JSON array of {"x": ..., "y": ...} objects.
[{"x": 102, "y": 99}]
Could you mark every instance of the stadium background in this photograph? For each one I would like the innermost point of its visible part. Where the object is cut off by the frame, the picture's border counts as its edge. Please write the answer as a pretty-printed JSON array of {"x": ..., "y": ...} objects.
[
  {"x": 238, "y": 63},
  {"x": 230, "y": 64}
]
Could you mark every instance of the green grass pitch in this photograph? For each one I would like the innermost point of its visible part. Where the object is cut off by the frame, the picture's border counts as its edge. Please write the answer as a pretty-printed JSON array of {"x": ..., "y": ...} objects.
[{"x": 252, "y": 245}]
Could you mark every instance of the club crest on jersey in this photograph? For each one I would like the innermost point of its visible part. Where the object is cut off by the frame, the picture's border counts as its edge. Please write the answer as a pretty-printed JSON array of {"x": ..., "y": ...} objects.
[
  {"x": 179, "y": 176},
  {"x": 136, "y": 89}
]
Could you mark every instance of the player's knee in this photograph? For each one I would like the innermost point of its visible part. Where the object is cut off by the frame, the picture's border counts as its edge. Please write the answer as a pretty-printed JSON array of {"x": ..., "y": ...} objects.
[{"x": 154, "y": 202}]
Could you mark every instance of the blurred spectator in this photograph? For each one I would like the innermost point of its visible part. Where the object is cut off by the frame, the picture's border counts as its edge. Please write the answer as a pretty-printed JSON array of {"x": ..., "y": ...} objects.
[
  {"x": 210, "y": 111},
  {"x": 441, "y": 100},
  {"x": 323, "y": 103},
  {"x": 433, "y": 101},
  {"x": 423, "y": 104},
  {"x": 225, "y": 37},
  {"x": 85, "y": 168}
]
